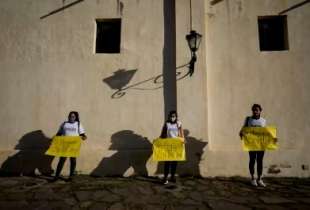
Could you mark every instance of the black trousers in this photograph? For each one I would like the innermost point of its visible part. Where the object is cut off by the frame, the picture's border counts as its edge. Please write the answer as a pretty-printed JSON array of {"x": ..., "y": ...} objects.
[
  {"x": 256, "y": 156},
  {"x": 170, "y": 166},
  {"x": 61, "y": 163}
]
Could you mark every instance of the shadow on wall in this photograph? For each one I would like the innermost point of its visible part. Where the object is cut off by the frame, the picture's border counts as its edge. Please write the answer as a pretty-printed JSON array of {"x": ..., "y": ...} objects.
[
  {"x": 132, "y": 151},
  {"x": 61, "y": 8},
  {"x": 122, "y": 77},
  {"x": 169, "y": 57},
  {"x": 194, "y": 151},
  {"x": 214, "y": 2},
  {"x": 295, "y": 6},
  {"x": 30, "y": 156}
]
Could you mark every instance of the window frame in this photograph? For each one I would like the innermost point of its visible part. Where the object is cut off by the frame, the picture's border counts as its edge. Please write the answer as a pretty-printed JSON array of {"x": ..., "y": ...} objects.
[
  {"x": 98, "y": 49},
  {"x": 263, "y": 42}
]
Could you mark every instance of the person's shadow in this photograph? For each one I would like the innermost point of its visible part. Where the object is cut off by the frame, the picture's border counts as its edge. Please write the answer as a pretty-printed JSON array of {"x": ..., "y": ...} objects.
[
  {"x": 31, "y": 156},
  {"x": 132, "y": 151},
  {"x": 194, "y": 151}
]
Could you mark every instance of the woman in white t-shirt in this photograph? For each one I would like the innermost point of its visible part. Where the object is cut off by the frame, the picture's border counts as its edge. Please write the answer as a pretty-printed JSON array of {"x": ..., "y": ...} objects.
[
  {"x": 171, "y": 129},
  {"x": 72, "y": 127},
  {"x": 256, "y": 156}
]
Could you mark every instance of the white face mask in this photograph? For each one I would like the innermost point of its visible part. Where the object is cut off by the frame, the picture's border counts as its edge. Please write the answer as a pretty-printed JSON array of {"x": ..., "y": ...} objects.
[{"x": 173, "y": 119}]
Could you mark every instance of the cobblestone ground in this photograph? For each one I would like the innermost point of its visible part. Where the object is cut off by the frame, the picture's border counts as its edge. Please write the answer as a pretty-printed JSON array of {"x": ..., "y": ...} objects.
[{"x": 86, "y": 192}]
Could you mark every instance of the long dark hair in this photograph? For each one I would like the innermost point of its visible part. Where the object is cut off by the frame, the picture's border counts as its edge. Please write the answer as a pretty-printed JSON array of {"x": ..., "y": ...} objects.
[{"x": 77, "y": 117}]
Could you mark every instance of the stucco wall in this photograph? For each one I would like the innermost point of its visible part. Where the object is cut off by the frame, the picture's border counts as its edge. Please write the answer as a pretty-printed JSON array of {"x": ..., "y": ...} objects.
[
  {"x": 239, "y": 74},
  {"x": 48, "y": 68}
]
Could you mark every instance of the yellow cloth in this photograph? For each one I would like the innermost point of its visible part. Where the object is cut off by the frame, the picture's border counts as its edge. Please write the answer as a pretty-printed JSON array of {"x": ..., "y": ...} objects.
[
  {"x": 169, "y": 149},
  {"x": 259, "y": 138},
  {"x": 65, "y": 146}
]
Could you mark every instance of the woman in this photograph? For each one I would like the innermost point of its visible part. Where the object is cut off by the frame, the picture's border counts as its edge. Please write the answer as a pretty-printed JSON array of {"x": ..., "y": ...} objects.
[
  {"x": 256, "y": 156},
  {"x": 72, "y": 127},
  {"x": 171, "y": 129}
]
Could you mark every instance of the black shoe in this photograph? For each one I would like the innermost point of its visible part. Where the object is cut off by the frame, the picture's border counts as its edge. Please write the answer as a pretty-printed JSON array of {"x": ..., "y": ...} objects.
[
  {"x": 173, "y": 180},
  {"x": 56, "y": 178},
  {"x": 70, "y": 178}
]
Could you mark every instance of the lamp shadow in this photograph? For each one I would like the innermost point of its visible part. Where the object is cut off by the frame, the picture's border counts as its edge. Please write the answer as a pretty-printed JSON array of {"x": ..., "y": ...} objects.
[
  {"x": 30, "y": 157},
  {"x": 121, "y": 78},
  {"x": 132, "y": 151},
  {"x": 194, "y": 149}
]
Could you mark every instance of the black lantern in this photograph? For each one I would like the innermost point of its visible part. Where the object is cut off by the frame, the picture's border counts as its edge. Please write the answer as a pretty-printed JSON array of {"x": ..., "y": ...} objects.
[{"x": 193, "y": 40}]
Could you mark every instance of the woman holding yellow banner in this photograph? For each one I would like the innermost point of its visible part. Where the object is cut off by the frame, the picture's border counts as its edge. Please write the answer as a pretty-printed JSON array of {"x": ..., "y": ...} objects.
[
  {"x": 67, "y": 143},
  {"x": 171, "y": 129},
  {"x": 255, "y": 156}
]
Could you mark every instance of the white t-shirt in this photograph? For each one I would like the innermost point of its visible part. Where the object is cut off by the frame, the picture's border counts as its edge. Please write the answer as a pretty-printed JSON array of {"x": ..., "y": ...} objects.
[
  {"x": 72, "y": 129},
  {"x": 251, "y": 122},
  {"x": 173, "y": 129}
]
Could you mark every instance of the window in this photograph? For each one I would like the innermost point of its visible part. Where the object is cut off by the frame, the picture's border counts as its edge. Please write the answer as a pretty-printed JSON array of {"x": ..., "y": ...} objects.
[
  {"x": 273, "y": 34},
  {"x": 108, "y": 37}
]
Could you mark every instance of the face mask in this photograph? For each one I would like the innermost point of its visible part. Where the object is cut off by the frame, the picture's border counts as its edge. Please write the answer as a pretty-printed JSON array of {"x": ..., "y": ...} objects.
[{"x": 173, "y": 119}]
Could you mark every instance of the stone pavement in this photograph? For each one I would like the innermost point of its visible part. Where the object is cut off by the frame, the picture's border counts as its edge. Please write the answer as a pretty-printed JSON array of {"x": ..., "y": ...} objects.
[{"x": 86, "y": 192}]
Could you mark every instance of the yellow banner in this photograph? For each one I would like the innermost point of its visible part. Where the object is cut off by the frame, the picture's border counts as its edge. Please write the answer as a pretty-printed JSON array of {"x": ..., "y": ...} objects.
[
  {"x": 65, "y": 146},
  {"x": 259, "y": 138},
  {"x": 169, "y": 149}
]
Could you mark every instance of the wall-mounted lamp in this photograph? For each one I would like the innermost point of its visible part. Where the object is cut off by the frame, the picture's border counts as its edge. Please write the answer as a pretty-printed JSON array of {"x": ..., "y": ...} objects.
[{"x": 193, "y": 40}]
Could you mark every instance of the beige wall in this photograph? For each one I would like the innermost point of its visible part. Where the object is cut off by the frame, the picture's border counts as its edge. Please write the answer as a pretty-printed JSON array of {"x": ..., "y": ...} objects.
[
  {"x": 48, "y": 68},
  {"x": 238, "y": 75}
]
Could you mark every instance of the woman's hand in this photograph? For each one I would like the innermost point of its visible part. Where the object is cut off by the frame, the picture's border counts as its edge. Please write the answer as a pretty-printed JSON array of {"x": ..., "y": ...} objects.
[{"x": 182, "y": 139}]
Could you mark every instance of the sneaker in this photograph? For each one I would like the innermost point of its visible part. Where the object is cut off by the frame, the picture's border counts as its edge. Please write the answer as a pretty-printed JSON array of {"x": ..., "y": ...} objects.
[
  {"x": 253, "y": 182},
  {"x": 165, "y": 182},
  {"x": 261, "y": 183}
]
